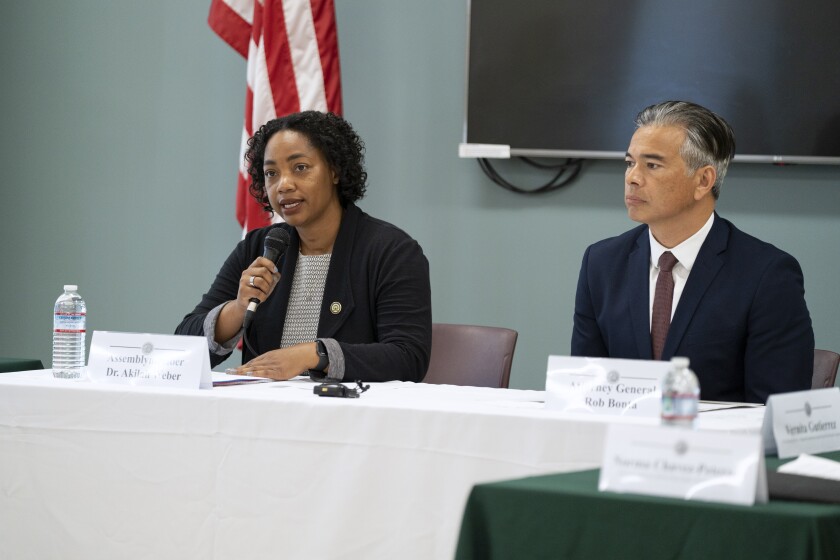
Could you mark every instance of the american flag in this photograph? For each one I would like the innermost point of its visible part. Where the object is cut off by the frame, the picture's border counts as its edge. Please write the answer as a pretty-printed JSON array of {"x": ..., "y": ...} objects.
[{"x": 292, "y": 52}]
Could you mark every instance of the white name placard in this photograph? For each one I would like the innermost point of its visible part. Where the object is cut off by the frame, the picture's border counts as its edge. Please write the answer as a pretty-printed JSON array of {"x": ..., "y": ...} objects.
[
  {"x": 605, "y": 385},
  {"x": 802, "y": 422},
  {"x": 149, "y": 360},
  {"x": 681, "y": 463}
]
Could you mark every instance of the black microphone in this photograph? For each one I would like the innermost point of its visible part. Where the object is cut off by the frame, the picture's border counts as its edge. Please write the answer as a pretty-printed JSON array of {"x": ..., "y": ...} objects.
[{"x": 275, "y": 244}]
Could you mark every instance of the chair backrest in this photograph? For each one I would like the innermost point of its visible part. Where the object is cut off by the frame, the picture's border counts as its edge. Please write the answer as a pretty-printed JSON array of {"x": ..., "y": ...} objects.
[
  {"x": 471, "y": 355},
  {"x": 825, "y": 368},
  {"x": 19, "y": 364}
]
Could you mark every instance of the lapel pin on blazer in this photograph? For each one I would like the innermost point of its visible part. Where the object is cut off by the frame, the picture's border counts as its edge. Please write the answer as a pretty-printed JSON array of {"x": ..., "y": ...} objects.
[{"x": 335, "y": 308}]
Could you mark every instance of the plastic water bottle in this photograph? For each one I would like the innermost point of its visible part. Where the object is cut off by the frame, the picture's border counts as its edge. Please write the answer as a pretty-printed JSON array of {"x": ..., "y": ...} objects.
[
  {"x": 68, "y": 358},
  {"x": 680, "y": 394}
]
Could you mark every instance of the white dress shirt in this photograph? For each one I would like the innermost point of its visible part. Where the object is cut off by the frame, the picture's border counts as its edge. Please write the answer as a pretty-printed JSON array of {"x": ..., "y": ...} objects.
[{"x": 686, "y": 253}]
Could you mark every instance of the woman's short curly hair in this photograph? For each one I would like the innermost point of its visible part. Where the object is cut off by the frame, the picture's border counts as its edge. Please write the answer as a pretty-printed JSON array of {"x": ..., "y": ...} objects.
[{"x": 331, "y": 135}]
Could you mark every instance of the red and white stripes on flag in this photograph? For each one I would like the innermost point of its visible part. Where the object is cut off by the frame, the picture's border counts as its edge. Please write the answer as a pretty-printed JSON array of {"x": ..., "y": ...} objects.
[{"x": 292, "y": 52}]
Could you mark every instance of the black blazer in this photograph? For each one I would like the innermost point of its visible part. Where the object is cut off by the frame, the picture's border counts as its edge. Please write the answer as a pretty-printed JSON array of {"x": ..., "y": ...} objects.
[
  {"x": 741, "y": 319},
  {"x": 377, "y": 299}
]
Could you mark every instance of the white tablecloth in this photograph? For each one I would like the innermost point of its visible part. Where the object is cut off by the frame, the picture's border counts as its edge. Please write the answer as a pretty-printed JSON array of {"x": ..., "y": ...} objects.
[{"x": 269, "y": 471}]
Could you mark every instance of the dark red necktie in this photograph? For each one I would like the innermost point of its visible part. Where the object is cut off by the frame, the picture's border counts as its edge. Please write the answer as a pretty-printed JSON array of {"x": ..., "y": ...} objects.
[{"x": 662, "y": 301}]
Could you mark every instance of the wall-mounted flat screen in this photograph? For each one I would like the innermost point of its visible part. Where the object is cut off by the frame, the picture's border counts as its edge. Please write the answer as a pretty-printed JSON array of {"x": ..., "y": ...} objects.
[{"x": 565, "y": 78}]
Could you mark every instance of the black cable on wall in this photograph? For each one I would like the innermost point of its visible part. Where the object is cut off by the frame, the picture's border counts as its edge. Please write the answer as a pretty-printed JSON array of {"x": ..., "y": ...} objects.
[{"x": 564, "y": 173}]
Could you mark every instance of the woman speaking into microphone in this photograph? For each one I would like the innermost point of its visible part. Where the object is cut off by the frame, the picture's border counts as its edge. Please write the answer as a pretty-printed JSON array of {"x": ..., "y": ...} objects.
[{"x": 349, "y": 298}]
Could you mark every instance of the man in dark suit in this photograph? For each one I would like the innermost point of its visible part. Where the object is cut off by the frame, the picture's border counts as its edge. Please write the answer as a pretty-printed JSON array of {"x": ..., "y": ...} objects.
[{"x": 688, "y": 282}]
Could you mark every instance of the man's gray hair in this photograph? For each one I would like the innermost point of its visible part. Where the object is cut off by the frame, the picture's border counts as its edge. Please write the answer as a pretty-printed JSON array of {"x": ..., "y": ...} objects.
[{"x": 709, "y": 140}]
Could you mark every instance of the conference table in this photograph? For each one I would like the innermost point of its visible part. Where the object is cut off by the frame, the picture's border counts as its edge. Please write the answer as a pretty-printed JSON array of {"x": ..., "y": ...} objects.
[
  {"x": 270, "y": 470},
  {"x": 565, "y": 516}
]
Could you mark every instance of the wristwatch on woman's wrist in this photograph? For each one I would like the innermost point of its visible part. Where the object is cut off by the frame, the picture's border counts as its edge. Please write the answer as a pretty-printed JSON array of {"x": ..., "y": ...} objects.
[{"x": 323, "y": 357}]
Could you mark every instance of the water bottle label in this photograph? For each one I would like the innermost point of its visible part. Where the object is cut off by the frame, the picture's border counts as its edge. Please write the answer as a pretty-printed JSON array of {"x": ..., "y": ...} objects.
[
  {"x": 69, "y": 322},
  {"x": 678, "y": 407}
]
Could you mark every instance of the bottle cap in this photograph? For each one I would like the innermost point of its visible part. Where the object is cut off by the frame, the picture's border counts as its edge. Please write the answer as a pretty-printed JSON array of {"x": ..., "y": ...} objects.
[
  {"x": 70, "y": 287},
  {"x": 679, "y": 361}
]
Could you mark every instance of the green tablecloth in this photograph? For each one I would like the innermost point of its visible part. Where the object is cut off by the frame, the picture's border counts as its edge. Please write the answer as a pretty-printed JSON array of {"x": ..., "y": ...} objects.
[
  {"x": 19, "y": 364},
  {"x": 564, "y": 516}
]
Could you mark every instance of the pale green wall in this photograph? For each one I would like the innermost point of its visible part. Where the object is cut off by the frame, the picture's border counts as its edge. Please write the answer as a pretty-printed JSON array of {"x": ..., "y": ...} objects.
[{"x": 127, "y": 115}]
